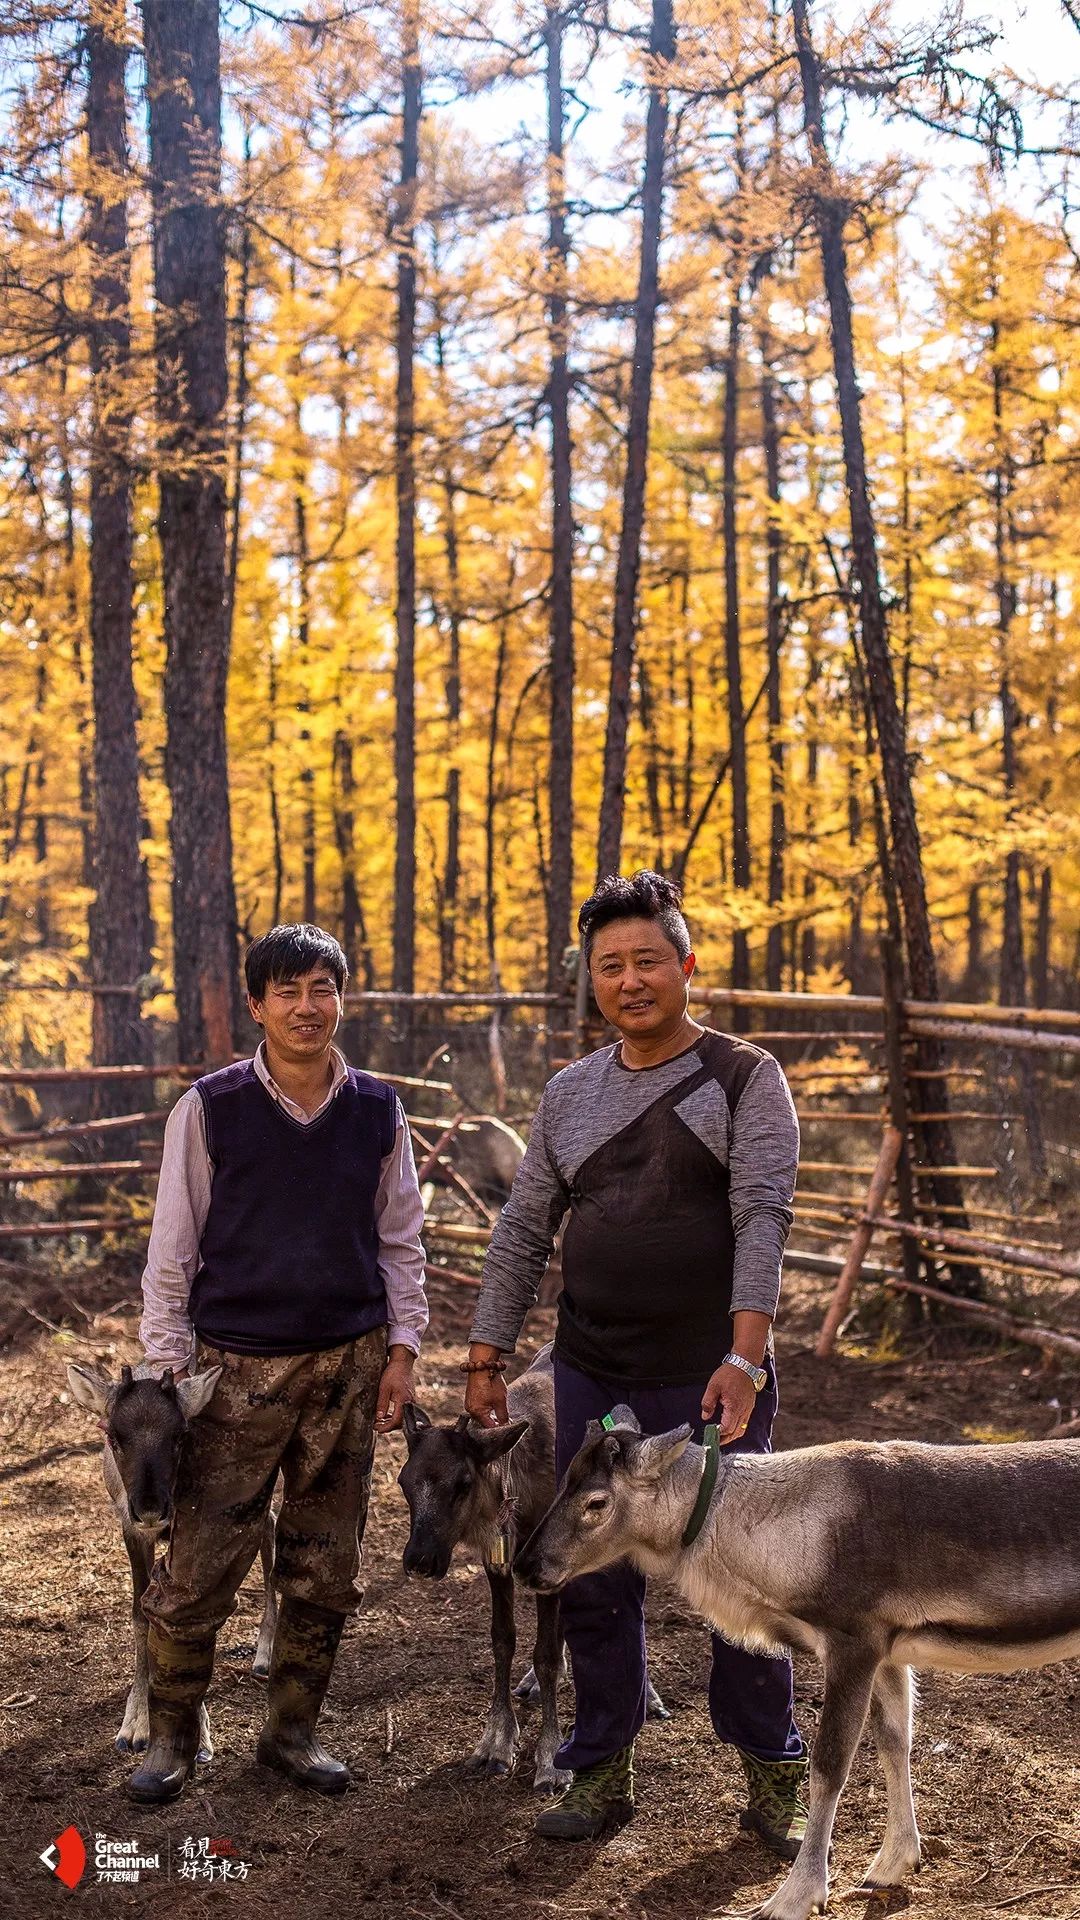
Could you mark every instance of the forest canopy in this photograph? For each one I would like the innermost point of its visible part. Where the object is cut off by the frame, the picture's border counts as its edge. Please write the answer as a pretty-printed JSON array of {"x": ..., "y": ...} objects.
[{"x": 498, "y": 492}]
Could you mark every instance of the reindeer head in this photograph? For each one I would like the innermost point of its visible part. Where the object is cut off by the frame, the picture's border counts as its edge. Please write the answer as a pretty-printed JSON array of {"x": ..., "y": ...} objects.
[
  {"x": 145, "y": 1421},
  {"x": 442, "y": 1480},
  {"x": 608, "y": 1506}
]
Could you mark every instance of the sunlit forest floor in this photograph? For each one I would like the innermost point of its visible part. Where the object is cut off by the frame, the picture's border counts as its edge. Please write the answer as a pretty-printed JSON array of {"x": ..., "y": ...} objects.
[{"x": 995, "y": 1762}]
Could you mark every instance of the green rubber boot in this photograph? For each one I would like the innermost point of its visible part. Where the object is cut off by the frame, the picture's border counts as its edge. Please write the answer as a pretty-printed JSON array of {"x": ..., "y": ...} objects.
[
  {"x": 776, "y": 1808},
  {"x": 180, "y": 1670},
  {"x": 301, "y": 1663},
  {"x": 598, "y": 1802}
]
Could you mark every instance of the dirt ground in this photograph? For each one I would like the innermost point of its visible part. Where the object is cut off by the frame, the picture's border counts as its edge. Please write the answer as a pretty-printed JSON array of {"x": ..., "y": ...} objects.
[{"x": 997, "y": 1779}]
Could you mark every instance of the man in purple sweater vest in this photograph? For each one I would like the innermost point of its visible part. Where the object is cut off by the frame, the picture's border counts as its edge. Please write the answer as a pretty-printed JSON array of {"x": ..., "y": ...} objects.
[
  {"x": 674, "y": 1154},
  {"x": 286, "y": 1252}
]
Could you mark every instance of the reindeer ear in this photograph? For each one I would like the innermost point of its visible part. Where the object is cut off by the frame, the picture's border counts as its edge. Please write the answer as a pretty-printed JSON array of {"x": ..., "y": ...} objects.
[
  {"x": 89, "y": 1387},
  {"x": 653, "y": 1455},
  {"x": 196, "y": 1393},
  {"x": 463, "y": 1423},
  {"x": 415, "y": 1422},
  {"x": 490, "y": 1443},
  {"x": 167, "y": 1383},
  {"x": 623, "y": 1416}
]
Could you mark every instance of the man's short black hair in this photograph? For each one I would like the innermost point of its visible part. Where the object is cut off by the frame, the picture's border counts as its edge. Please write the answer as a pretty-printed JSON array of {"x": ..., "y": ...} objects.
[
  {"x": 641, "y": 896},
  {"x": 286, "y": 952}
]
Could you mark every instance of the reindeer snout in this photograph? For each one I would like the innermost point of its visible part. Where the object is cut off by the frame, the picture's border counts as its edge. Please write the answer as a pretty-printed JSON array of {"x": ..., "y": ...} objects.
[{"x": 427, "y": 1557}]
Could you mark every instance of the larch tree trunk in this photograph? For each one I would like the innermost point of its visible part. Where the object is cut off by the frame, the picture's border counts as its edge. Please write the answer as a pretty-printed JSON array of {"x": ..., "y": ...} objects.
[
  {"x": 830, "y": 215},
  {"x": 404, "y": 913},
  {"x": 184, "y": 88},
  {"x": 561, "y": 590},
  {"x": 628, "y": 564},
  {"x": 740, "y": 808},
  {"x": 770, "y": 435},
  {"x": 302, "y": 557},
  {"x": 451, "y": 876},
  {"x": 120, "y": 912}
]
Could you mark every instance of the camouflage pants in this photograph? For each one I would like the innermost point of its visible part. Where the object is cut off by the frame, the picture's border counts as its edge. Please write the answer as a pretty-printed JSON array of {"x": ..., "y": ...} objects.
[{"x": 311, "y": 1416}]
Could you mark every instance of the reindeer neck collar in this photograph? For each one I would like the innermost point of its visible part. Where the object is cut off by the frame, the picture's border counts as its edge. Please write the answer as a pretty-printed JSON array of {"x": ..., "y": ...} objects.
[{"x": 709, "y": 1468}]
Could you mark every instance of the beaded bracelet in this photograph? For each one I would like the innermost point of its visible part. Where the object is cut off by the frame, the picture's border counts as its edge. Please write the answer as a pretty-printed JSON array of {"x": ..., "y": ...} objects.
[{"x": 491, "y": 1367}]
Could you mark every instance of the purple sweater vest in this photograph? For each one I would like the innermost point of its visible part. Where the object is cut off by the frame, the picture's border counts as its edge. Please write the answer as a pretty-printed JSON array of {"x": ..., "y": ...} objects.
[{"x": 289, "y": 1257}]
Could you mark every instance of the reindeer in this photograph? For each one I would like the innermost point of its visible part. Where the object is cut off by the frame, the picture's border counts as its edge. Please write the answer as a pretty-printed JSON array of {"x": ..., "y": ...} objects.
[
  {"x": 878, "y": 1557},
  {"x": 145, "y": 1421},
  {"x": 487, "y": 1488}
]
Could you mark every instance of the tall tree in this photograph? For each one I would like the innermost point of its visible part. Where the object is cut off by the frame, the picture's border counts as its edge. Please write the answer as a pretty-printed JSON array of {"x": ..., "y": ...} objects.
[
  {"x": 184, "y": 88},
  {"x": 628, "y": 564},
  {"x": 404, "y": 961},
  {"x": 830, "y": 217},
  {"x": 561, "y": 591},
  {"x": 120, "y": 912}
]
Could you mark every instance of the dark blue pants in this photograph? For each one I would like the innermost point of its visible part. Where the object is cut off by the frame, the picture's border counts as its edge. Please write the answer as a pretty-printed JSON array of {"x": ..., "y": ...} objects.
[{"x": 751, "y": 1697}]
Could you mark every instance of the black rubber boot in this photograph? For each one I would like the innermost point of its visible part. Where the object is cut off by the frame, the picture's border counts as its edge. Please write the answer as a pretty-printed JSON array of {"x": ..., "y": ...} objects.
[
  {"x": 305, "y": 1644},
  {"x": 180, "y": 1670},
  {"x": 599, "y": 1801}
]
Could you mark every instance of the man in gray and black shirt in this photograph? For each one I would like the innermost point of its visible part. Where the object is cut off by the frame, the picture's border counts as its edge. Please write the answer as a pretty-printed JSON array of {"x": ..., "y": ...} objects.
[{"x": 674, "y": 1152}]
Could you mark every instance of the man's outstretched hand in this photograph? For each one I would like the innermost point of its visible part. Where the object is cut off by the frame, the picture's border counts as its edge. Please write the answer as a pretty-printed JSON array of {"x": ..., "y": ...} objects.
[
  {"x": 395, "y": 1390},
  {"x": 734, "y": 1393}
]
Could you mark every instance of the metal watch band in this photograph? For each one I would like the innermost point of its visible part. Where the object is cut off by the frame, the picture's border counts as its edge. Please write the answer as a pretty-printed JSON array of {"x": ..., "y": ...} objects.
[{"x": 757, "y": 1374}]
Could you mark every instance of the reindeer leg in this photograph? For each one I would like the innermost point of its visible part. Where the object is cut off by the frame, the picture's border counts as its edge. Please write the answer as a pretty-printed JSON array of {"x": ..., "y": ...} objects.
[
  {"x": 850, "y": 1668},
  {"x": 260, "y": 1666},
  {"x": 547, "y": 1661},
  {"x": 134, "y": 1734},
  {"x": 890, "y": 1721},
  {"x": 497, "y": 1752}
]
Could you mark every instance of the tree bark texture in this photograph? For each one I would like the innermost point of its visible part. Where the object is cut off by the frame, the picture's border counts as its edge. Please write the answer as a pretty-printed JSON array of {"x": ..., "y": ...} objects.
[
  {"x": 561, "y": 591},
  {"x": 628, "y": 565},
  {"x": 183, "y": 75},
  {"x": 404, "y": 923},
  {"x": 120, "y": 912}
]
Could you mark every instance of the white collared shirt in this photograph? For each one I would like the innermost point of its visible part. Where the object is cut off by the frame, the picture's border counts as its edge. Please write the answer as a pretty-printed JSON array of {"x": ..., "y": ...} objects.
[{"x": 183, "y": 1204}]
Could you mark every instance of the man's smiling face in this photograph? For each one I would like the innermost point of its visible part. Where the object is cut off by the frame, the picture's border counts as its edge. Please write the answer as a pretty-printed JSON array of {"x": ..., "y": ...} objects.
[
  {"x": 638, "y": 978},
  {"x": 299, "y": 1017}
]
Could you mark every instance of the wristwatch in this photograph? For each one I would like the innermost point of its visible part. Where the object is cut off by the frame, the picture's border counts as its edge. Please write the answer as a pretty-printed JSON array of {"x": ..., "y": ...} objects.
[{"x": 757, "y": 1374}]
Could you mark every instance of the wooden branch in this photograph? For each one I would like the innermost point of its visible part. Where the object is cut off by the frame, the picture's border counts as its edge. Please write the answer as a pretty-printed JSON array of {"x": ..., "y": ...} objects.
[
  {"x": 1014, "y": 1039},
  {"x": 452, "y": 1273},
  {"x": 1027, "y": 1332},
  {"x": 75, "y": 1076},
  {"x": 1034, "y": 1258},
  {"x": 455, "y": 1179},
  {"x": 56, "y": 1229},
  {"x": 891, "y": 1143},
  {"x": 75, "y": 1170},
  {"x": 381, "y": 998},
  {"x": 431, "y": 1160},
  {"x": 76, "y": 1129},
  {"x": 456, "y": 1230}
]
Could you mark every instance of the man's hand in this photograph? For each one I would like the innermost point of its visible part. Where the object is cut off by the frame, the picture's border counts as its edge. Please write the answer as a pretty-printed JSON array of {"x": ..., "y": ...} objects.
[
  {"x": 485, "y": 1393},
  {"x": 395, "y": 1389},
  {"x": 734, "y": 1392}
]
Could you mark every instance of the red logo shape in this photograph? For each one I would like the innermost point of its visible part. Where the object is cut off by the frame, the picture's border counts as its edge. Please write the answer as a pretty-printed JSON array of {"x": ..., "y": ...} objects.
[{"x": 66, "y": 1857}]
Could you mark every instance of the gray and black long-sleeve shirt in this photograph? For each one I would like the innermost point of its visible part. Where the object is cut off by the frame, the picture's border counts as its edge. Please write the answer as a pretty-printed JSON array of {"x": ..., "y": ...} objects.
[{"x": 678, "y": 1180}]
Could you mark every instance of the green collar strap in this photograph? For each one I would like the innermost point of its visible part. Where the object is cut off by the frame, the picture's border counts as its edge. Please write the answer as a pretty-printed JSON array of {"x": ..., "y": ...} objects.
[{"x": 709, "y": 1471}]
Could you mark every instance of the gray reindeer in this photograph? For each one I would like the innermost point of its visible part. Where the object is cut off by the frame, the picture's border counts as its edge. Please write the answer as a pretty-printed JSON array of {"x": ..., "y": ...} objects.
[
  {"x": 145, "y": 1421},
  {"x": 878, "y": 1557}
]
